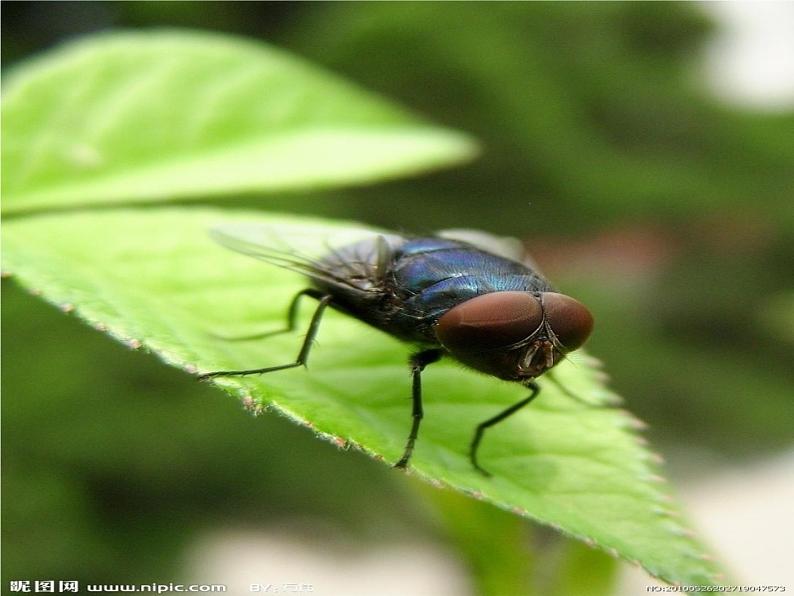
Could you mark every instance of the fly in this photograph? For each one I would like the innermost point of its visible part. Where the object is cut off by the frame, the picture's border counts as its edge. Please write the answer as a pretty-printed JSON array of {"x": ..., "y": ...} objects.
[{"x": 460, "y": 295}]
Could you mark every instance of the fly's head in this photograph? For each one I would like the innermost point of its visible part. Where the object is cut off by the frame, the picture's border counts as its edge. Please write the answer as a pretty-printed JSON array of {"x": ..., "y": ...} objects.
[{"x": 516, "y": 336}]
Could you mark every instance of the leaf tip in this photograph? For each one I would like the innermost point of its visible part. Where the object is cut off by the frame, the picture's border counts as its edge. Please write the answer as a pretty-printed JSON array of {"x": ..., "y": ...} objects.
[
  {"x": 656, "y": 478},
  {"x": 633, "y": 422}
]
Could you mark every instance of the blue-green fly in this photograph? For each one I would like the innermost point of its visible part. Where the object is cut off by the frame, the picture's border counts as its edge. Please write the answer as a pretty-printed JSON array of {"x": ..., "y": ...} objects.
[{"x": 462, "y": 295}]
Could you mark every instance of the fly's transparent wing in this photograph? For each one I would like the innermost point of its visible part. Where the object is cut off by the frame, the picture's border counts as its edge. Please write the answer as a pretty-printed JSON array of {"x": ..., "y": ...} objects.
[
  {"x": 339, "y": 256},
  {"x": 503, "y": 246}
]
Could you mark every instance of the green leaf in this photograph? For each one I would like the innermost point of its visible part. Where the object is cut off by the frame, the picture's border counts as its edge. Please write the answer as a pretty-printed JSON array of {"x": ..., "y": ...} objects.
[
  {"x": 155, "y": 279},
  {"x": 168, "y": 115},
  {"x": 493, "y": 543},
  {"x": 507, "y": 555}
]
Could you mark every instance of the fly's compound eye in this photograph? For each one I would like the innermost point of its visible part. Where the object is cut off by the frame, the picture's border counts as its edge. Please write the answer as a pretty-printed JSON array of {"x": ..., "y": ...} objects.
[
  {"x": 569, "y": 319},
  {"x": 490, "y": 321}
]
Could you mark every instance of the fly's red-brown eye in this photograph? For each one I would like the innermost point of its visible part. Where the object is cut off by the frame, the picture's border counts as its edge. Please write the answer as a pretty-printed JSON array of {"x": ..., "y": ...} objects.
[
  {"x": 490, "y": 321},
  {"x": 569, "y": 319}
]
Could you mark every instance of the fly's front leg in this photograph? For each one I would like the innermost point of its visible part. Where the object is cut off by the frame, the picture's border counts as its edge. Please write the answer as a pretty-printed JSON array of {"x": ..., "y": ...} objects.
[
  {"x": 418, "y": 362},
  {"x": 475, "y": 443},
  {"x": 303, "y": 355}
]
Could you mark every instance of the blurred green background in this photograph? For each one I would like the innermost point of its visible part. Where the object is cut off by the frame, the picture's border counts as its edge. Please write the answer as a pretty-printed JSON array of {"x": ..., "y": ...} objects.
[{"x": 666, "y": 212}]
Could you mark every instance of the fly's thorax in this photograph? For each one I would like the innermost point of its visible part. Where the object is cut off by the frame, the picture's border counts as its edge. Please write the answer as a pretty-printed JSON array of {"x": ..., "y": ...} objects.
[{"x": 514, "y": 335}]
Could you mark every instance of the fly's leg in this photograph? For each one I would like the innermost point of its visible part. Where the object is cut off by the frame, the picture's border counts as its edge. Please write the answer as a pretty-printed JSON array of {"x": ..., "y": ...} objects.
[
  {"x": 475, "y": 443},
  {"x": 292, "y": 318},
  {"x": 303, "y": 355},
  {"x": 418, "y": 362},
  {"x": 550, "y": 376}
]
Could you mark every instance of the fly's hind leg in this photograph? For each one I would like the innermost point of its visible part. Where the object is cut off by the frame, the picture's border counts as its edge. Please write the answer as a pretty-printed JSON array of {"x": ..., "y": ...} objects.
[
  {"x": 292, "y": 319},
  {"x": 418, "y": 363},
  {"x": 303, "y": 355}
]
